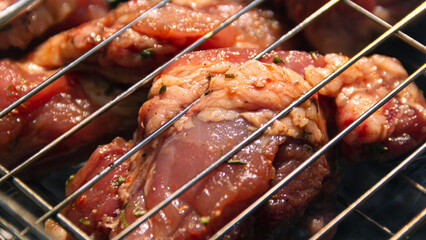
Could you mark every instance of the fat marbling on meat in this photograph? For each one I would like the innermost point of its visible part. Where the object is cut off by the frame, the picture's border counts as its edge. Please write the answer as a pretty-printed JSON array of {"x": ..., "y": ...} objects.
[{"x": 241, "y": 96}]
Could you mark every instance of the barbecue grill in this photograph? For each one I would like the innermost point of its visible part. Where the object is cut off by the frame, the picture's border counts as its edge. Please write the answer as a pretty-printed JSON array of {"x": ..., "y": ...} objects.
[{"x": 376, "y": 201}]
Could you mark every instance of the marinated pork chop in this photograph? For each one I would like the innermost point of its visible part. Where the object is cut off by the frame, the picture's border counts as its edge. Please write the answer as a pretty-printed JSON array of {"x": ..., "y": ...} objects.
[
  {"x": 54, "y": 110},
  {"x": 157, "y": 37},
  {"x": 244, "y": 94},
  {"x": 49, "y": 15}
]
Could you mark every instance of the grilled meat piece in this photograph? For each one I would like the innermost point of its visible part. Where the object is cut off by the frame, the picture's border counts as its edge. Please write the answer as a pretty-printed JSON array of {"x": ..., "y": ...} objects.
[
  {"x": 395, "y": 128},
  {"x": 48, "y": 16},
  {"x": 244, "y": 95},
  {"x": 156, "y": 38},
  {"x": 239, "y": 96},
  {"x": 54, "y": 110}
]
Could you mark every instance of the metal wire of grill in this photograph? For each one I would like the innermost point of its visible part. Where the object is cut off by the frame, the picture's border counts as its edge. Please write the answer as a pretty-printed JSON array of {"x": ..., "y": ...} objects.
[{"x": 34, "y": 227}]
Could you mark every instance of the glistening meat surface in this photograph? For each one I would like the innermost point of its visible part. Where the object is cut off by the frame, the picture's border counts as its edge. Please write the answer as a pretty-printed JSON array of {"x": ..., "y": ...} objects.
[
  {"x": 156, "y": 38},
  {"x": 239, "y": 96},
  {"x": 245, "y": 95},
  {"x": 395, "y": 128},
  {"x": 48, "y": 16},
  {"x": 53, "y": 111}
]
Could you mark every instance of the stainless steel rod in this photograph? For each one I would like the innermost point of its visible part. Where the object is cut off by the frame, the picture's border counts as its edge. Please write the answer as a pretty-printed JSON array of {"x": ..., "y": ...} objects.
[
  {"x": 15, "y": 9},
  {"x": 27, "y": 191},
  {"x": 259, "y": 131},
  {"x": 74, "y": 63},
  {"x": 317, "y": 155},
  {"x": 409, "y": 228},
  {"x": 419, "y": 46},
  {"x": 126, "y": 93},
  {"x": 163, "y": 127}
]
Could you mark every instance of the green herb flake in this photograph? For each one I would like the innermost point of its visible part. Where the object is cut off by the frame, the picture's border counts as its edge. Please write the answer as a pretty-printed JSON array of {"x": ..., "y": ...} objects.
[
  {"x": 138, "y": 212},
  {"x": 314, "y": 55},
  {"x": 236, "y": 161},
  {"x": 147, "y": 53},
  {"x": 162, "y": 89},
  {"x": 69, "y": 180},
  {"x": 208, "y": 92},
  {"x": 277, "y": 60},
  {"x": 229, "y": 75},
  {"x": 9, "y": 94},
  {"x": 120, "y": 180},
  {"x": 84, "y": 221},
  {"x": 8, "y": 87},
  {"x": 122, "y": 217},
  {"x": 308, "y": 146},
  {"x": 210, "y": 76},
  {"x": 205, "y": 220},
  {"x": 375, "y": 150},
  {"x": 221, "y": 152},
  {"x": 306, "y": 134}
]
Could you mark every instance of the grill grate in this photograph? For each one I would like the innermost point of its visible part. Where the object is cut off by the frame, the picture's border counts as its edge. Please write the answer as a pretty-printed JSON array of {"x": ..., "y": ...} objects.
[{"x": 25, "y": 207}]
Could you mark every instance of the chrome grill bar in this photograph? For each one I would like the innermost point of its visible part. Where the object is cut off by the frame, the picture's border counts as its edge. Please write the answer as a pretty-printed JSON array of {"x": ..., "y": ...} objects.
[
  {"x": 419, "y": 46},
  {"x": 372, "y": 190},
  {"x": 74, "y": 63},
  {"x": 8, "y": 205},
  {"x": 317, "y": 155},
  {"x": 368, "y": 218},
  {"x": 13, "y": 232},
  {"x": 259, "y": 131},
  {"x": 298, "y": 28},
  {"x": 126, "y": 93},
  {"x": 27, "y": 191},
  {"x": 15, "y": 10},
  {"x": 416, "y": 222},
  {"x": 229, "y": 154},
  {"x": 415, "y": 184},
  {"x": 158, "y": 131}
]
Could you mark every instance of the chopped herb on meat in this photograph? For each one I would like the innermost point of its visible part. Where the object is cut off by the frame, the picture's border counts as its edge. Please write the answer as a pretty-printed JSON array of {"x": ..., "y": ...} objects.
[
  {"x": 84, "y": 221},
  {"x": 277, "y": 60},
  {"x": 120, "y": 180},
  {"x": 147, "y": 53},
  {"x": 162, "y": 89},
  {"x": 229, "y": 75}
]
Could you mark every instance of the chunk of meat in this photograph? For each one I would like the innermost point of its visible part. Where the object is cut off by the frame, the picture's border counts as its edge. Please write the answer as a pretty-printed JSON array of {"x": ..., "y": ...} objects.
[
  {"x": 395, "y": 128},
  {"x": 240, "y": 95},
  {"x": 95, "y": 205},
  {"x": 48, "y": 16},
  {"x": 156, "y": 38},
  {"x": 343, "y": 29},
  {"x": 53, "y": 111},
  {"x": 244, "y": 95}
]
